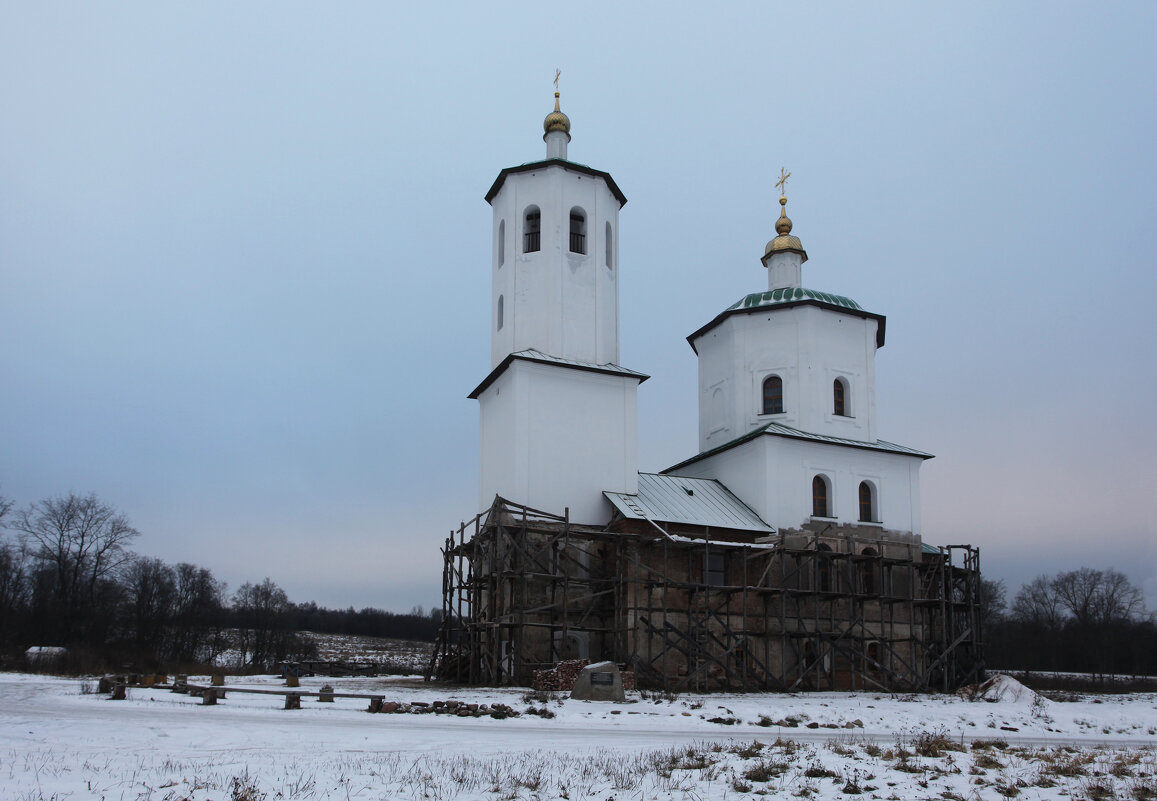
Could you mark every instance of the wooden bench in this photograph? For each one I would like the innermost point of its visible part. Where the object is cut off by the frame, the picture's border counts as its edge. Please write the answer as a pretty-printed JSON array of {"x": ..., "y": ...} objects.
[{"x": 210, "y": 694}]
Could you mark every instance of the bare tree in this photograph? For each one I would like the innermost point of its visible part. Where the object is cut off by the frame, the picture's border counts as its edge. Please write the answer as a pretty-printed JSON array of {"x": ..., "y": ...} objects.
[
  {"x": 1037, "y": 603},
  {"x": 1117, "y": 599},
  {"x": 151, "y": 590},
  {"x": 1077, "y": 591},
  {"x": 261, "y": 616},
  {"x": 5, "y": 508},
  {"x": 993, "y": 603},
  {"x": 197, "y": 614},
  {"x": 1099, "y": 597},
  {"x": 82, "y": 541},
  {"x": 14, "y": 587}
]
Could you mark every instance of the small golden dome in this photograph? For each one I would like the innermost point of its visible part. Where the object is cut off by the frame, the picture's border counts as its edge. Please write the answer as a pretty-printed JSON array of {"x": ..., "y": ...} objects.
[
  {"x": 783, "y": 224},
  {"x": 785, "y": 241},
  {"x": 556, "y": 120}
]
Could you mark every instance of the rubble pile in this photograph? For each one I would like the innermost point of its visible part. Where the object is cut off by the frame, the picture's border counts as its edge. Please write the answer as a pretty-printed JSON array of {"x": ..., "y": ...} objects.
[
  {"x": 564, "y": 674},
  {"x": 455, "y": 708},
  {"x": 561, "y": 677}
]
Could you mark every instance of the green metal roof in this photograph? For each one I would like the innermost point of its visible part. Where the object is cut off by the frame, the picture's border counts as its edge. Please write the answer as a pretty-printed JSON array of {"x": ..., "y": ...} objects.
[
  {"x": 792, "y": 294},
  {"x": 789, "y": 297}
]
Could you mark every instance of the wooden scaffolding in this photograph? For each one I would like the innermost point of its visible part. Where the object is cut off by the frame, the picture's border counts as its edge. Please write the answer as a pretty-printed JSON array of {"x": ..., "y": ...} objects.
[{"x": 700, "y": 610}]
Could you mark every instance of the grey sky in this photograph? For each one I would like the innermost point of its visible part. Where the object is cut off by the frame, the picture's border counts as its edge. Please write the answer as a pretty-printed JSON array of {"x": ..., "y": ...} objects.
[{"x": 244, "y": 256}]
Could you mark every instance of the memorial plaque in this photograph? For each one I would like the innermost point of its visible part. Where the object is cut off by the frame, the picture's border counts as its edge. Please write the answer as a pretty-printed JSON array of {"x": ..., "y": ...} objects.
[{"x": 602, "y": 678}]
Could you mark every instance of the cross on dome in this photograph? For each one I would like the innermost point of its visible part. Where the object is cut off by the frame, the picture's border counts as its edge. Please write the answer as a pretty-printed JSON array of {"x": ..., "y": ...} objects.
[{"x": 784, "y": 241}]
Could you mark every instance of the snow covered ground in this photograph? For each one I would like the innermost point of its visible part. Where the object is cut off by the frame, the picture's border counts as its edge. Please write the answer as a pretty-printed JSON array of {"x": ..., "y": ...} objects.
[{"x": 59, "y": 742}]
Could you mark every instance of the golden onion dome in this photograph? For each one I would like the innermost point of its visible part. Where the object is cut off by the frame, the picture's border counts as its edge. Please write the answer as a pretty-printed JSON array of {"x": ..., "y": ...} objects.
[
  {"x": 556, "y": 120},
  {"x": 784, "y": 240}
]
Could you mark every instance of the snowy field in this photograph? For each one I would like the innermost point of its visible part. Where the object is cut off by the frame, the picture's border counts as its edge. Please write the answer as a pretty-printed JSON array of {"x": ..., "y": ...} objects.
[{"x": 58, "y": 741}]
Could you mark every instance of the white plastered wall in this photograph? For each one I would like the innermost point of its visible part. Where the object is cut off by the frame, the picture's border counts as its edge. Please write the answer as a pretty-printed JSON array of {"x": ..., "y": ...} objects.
[
  {"x": 555, "y": 437},
  {"x": 808, "y": 347},
  {"x": 561, "y": 303},
  {"x": 773, "y": 475}
]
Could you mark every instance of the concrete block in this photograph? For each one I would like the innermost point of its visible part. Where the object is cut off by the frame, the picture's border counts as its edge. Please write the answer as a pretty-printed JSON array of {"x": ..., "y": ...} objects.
[{"x": 293, "y": 701}]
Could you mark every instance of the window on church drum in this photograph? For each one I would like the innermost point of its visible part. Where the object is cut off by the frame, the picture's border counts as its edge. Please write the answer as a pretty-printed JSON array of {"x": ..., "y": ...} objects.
[
  {"x": 500, "y": 304},
  {"x": 610, "y": 247},
  {"x": 578, "y": 231},
  {"x": 838, "y": 389},
  {"x": 820, "y": 506},
  {"x": 867, "y": 512},
  {"x": 715, "y": 569},
  {"x": 501, "y": 243},
  {"x": 772, "y": 395},
  {"x": 531, "y": 234}
]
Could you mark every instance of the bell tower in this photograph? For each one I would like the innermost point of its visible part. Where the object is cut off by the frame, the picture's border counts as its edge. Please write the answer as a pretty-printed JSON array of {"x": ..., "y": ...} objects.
[{"x": 558, "y": 414}]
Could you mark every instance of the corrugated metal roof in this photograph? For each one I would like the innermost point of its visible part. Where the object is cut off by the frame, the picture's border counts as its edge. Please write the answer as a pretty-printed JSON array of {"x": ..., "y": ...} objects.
[{"x": 678, "y": 499}]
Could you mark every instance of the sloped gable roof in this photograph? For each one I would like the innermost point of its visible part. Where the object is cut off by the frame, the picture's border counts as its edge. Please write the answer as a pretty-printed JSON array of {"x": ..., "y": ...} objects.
[{"x": 693, "y": 501}]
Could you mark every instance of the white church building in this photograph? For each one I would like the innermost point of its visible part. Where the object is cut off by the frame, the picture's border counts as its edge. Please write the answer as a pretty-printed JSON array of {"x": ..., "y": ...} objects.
[{"x": 787, "y": 553}]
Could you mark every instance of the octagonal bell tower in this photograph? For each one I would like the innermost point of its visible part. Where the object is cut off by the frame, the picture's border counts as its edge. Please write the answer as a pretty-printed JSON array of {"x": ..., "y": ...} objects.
[{"x": 558, "y": 414}]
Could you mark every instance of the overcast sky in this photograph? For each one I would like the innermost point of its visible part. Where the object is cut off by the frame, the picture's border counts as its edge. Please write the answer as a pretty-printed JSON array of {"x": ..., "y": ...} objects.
[{"x": 245, "y": 257}]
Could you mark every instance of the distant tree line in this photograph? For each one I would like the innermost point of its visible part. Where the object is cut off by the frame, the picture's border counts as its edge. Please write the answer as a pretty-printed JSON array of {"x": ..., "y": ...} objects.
[
  {"x": 68, "y": 578},
  {"x": 1081, "y": 621}
]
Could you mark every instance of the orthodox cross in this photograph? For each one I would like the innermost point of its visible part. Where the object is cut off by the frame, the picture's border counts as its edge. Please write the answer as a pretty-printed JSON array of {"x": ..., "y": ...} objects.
[
  {"x": 557, "y": 73},
  {"x": 782, "y": 182}
]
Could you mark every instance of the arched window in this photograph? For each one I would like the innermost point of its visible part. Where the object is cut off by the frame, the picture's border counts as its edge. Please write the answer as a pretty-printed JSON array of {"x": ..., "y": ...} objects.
[
  {"x": 499, "y": 313},
  {"x": 868, "y": 571},
  {"x": 610, "y": 248},
  {"x": 531, "y": 236},
  {"x": 820, "y": 506},
  {"x": 501, "y": 243},
  {"x": 578, "y": 231},
  {"x": 823, "y": 568},
  {"x": 838, "y": 392},
  {"x": 772, "y": 395},
  {"x": 867, "y": 503}
]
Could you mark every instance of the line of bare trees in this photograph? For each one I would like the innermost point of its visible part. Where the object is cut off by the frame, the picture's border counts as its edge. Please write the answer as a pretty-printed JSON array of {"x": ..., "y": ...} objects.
[
  {"x": 68, "y": 578},
  {"x": 1084, "y": 620}
]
